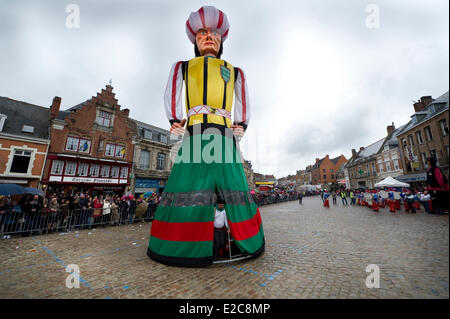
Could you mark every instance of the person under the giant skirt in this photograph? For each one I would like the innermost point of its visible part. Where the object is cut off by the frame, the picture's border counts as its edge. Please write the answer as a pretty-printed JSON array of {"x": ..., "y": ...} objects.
[{"x": 208, "y": 164}]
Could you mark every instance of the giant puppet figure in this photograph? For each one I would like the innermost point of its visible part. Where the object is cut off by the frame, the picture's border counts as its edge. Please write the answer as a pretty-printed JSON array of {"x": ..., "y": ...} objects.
[{"x": 183, "y": 227}]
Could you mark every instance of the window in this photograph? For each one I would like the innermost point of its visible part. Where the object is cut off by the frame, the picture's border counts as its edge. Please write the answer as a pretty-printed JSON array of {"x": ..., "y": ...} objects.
[
  {"x": 419, "y": 137},
  {"x": 84, "y": 146},
  {"x": 28, "y": 129},
  {"x": 380, "y": 167},
  {"x": 160, "y": 161},
  {"x": 57, "y": 167},
  {"x": 76, "y": 144},
  {"x": 324, "y": 176},
  {"x": 324, "y": 170},
  {"x": 109, "y": 150},
  {"x": 105, "y": 171},
  {"x": 72, "y": 143},
  {"x": 388, "y": 166},
  {"x": 145, "y": 159},
  {"x": 95, "y": 168},
  {"x": 396, "y": 166},
  {"x": 411, "y": 140},
  {"x": 332, "y": 171},
  {"x": 428, "y": 133},
  {"x": 104, "y": 118},
  {"x": 434, "y": 155},
  {"x": 374, "y": 171},
  {"x": 147, "y": 134},
  {"x": 124, "y": 172},
  {"x": 163, "y": 138},
  {"x": 403, "y": 142},
  {"x": 83, "y": 169},
  {"x": 114, "y": 150},
  {"x": 444, "y": 127},
  {"x": 332, "y": 176},
  {"x": 423, "y": 156},
  {"x": 21, "y": 161},
  {"x": 120, "y": 151},
  {"x": 70, "y": 168},
  {"x": 379, "y": 160},
  {"x": 2, "y": 121},
  {"x": 115, "y": 171}
]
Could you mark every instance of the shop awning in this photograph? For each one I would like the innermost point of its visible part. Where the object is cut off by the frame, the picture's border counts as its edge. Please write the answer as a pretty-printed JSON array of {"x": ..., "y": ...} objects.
[{"x": 419, "y": 177}]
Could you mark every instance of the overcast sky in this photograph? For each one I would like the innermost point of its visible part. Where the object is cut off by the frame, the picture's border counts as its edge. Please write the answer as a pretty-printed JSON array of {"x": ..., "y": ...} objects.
[{"x": 323, "y": 76}]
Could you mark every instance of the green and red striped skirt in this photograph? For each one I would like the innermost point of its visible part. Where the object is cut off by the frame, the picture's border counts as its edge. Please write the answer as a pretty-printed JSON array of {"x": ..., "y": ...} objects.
[{"x": 207, "y": 165}]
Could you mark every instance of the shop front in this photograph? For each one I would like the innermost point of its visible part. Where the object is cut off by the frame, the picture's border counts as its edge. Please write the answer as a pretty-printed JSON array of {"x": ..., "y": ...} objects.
[
  {"x": 71, "y": 175},
  {"x": 146, "y": 185},
  {"x": 414, "y": 180}
]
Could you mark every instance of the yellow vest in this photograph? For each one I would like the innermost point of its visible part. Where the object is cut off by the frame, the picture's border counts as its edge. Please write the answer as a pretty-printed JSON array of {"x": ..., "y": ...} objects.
[{"x": 209, "y": 81}]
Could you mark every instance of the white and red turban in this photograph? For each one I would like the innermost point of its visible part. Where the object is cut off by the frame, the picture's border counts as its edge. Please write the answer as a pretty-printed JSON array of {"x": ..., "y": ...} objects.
[{"x": 207, "y": 17}]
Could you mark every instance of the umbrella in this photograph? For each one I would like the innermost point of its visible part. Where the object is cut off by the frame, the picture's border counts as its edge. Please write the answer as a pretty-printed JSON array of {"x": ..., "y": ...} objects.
[
  {"x": 34, "y": 191},
  {"x": 11, "y": 189}
]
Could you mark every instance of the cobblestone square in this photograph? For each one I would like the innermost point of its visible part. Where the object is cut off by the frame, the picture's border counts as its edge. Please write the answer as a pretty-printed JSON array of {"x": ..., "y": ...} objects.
[{"x": 311, "y": 252}]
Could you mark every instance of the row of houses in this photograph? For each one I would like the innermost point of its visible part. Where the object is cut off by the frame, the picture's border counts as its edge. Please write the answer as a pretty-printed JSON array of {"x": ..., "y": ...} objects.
[
  {"x": 403, "y": 152},
  {"x": 91, "y": 147},
  {"x": 324, "y": 171}
]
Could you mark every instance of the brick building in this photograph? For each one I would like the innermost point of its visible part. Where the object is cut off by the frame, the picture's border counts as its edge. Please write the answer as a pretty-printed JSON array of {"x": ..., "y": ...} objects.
[
  {"x": 389, "y": 156},
  {"x": 325, "y": 170},
  {"x": 91, "y": 147},
  {"x": 362, "y": 166},
  {"x": 24, "y": 141},
  {"x": 425, "y": 135}
]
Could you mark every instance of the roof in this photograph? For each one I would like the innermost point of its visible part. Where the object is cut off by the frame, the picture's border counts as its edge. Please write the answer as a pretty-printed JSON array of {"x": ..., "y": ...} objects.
[
  {"x": 368, "y": 151},
  {"x": 335, "y": 160},
  {"x": 393, "y": 138},
  {"x": 21, "y": 113},
  {"x": 437, "y": 106},
  {"x": 371, "y": 149}
]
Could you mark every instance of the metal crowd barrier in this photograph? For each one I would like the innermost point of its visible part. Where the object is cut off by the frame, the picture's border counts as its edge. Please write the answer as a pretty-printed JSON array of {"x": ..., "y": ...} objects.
[{"x": 27, "y": 223}]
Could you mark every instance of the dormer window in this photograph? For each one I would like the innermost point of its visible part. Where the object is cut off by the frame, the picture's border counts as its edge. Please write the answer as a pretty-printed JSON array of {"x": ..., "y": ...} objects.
[
  {"x": 147, "y": 134},
  {"x": 2, "y": 121},
  {"x": 28, "y": 129}
]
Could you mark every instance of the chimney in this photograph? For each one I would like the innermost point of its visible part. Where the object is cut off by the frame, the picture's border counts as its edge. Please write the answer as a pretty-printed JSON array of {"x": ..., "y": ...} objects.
[
  {"x": 418, "y": 106},
  {"x": 54, "y": 109},
  {"x": 353, "y": 153},
  {"x": 327, "y": 157},
  {"x": 126, "y": 112},
  {"x": 390, "y": 128},
  {"x": 317, "y": 160},
  {"x": 361, "y": 148},
  {"x": 426, "y": 100}
]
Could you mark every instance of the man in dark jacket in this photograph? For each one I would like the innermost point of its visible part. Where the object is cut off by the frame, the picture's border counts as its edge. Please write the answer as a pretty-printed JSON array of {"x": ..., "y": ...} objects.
[{"x": 437, "y": 185}]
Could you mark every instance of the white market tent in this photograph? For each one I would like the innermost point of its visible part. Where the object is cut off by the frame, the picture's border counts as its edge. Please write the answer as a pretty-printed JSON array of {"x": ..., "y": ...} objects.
[{"x": 391, "y": 182}]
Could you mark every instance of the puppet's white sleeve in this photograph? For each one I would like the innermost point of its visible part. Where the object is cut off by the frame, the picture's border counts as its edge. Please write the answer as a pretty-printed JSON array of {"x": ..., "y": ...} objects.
[
  {"x": 241, "y": 104},
  {"x": 173, "y": 97}
]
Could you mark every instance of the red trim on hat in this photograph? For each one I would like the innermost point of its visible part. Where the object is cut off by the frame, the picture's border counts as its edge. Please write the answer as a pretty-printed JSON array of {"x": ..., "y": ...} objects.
[
  {"x": 225, "y": 34},
  {"x": 189, "y": 27},
  {"x": 174, "y": 90},
  {"x": 219, "y": 24},
  {"x": 202, "y": 16}
]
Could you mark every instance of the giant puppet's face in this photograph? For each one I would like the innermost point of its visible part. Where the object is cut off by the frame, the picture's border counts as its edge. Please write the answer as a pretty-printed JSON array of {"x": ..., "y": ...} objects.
[{"x": 208, "y": 41}]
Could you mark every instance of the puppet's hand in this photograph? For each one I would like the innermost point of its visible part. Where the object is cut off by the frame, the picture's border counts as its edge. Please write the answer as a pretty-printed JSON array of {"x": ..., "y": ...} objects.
[
  {"x": 237, "y": 130},
  {"x": 178, "y": 128}
]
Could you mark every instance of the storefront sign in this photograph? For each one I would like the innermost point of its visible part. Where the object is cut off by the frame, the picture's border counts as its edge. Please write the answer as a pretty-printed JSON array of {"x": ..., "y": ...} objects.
[
  {"x": 90, "y": 180},
  {"x": 147, "y": 183}
]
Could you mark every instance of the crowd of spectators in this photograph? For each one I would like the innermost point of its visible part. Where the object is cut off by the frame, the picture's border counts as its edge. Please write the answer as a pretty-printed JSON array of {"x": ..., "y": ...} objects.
[{"x": 33, "y": 214}]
